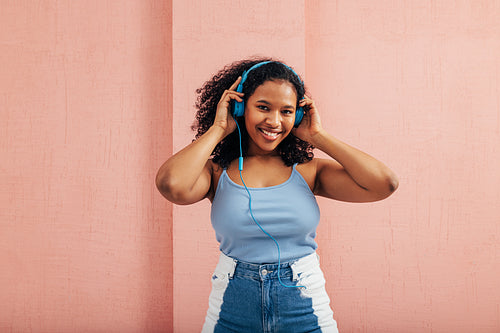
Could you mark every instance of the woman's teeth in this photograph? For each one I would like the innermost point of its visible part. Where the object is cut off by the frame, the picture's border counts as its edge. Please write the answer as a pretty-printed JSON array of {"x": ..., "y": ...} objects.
[{"x": 271, "y": 134}]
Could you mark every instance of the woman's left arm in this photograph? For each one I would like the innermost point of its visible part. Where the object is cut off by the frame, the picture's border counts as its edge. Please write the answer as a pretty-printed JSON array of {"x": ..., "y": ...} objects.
[{"x": 352, "y": 175}]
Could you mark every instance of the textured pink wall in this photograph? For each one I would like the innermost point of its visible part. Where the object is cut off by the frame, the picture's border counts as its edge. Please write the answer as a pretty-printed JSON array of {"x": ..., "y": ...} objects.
[
  {"x": 418, "y": 85},
  {"x": 85, "y": 241}
]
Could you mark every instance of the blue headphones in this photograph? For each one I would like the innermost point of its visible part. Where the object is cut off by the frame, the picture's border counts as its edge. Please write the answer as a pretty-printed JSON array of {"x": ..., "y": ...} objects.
[{"x": 239, "y": 107}]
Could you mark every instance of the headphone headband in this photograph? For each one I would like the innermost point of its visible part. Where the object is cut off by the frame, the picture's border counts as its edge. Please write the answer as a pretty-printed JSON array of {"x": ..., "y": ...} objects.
[{"x": 245, "y": 73}]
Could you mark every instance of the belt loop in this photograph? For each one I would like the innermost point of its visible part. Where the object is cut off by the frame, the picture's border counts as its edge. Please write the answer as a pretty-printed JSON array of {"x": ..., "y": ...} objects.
[
  {"x": 233, "y": 268},
  {"x": 295, "y": 273}
]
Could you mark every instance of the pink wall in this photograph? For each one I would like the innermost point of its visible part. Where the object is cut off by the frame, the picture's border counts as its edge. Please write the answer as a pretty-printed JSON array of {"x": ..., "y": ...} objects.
[
  {"x": 416, "y": 84},
  {"x": 89, "y": 108},
  {"x": 85, "y": 241}
]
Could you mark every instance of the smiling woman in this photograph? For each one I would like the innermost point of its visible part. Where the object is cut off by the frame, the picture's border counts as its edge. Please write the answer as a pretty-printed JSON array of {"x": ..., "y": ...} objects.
[{"x": 265, "y": 215}]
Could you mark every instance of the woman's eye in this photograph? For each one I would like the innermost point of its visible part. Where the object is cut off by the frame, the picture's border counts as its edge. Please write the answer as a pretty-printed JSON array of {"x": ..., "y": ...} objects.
[
  {"x": 263, "y": 107},
  {"x": 287, "y": 111}
]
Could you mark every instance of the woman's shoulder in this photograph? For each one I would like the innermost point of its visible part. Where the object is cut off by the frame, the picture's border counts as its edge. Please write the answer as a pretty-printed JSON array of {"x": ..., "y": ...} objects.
[
  {"x": 308, "y": 165},
  {"x": 308, "y": 171}
]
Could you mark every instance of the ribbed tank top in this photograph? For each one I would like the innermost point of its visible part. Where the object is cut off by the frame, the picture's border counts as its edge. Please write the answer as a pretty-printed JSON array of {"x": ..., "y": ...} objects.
[{"x": 288, "y": 211}]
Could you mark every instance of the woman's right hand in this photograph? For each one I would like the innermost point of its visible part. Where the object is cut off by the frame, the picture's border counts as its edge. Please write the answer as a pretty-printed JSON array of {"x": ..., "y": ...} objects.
[{"x": 223, "y": 117}]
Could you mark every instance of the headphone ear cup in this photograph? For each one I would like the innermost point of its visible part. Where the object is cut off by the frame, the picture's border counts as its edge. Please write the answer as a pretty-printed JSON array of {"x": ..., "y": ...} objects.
[
  {"x": 299, "y": 114},
  {"x": 238, "y": 109}
]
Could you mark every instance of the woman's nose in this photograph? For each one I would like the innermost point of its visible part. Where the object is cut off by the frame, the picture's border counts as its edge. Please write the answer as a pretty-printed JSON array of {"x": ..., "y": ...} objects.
[{"x": 273, "y": 118}]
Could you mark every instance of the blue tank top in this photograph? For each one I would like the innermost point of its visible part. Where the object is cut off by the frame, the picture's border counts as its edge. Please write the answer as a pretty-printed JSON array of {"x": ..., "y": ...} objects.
[{"x": 288, "y": 211}]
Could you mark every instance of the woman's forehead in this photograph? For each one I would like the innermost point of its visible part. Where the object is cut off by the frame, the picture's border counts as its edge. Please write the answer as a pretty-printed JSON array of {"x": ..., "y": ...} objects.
[{"x": 282, "y": 89}]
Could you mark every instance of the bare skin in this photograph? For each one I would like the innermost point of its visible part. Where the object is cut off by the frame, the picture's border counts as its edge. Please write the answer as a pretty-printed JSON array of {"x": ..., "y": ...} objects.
[{"x": 350, "y": 175}]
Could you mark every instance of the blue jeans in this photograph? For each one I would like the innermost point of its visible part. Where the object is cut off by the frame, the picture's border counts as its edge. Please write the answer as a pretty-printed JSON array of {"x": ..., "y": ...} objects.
[{"x": 248, "y": 297}]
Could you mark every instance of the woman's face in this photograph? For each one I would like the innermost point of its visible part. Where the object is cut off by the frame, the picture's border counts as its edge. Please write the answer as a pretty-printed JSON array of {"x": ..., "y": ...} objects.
[{"x": 269, "y": 116}]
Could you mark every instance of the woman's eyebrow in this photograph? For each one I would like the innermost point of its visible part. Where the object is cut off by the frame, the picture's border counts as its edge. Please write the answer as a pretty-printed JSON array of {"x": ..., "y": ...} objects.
[{"x": 267, "y": 103}]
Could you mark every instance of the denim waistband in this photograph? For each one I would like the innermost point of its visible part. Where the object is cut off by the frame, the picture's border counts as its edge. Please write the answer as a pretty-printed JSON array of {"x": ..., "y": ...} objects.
[{"x": 267, "y": 271}]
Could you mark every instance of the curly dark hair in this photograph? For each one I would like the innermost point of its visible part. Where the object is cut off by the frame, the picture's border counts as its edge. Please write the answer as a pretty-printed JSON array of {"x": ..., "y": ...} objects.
[{"x": 291, "y": 149}]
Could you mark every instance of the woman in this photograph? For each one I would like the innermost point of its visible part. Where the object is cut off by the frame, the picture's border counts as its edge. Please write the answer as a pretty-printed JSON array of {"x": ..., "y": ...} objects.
[{"x": 265, "y": 213}]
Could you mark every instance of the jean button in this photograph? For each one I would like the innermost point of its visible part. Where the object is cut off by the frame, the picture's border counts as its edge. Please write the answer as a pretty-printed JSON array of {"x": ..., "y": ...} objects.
[{"x": 264, "y": 272}]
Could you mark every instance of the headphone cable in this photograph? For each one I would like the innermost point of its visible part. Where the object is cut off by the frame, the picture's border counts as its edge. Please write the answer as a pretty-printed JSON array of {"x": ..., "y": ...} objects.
[{"x": 240, "y": 167}]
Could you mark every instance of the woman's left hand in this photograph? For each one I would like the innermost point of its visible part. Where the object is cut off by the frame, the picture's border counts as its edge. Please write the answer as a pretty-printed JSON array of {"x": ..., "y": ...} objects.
[{"x": 311, "y": 122}]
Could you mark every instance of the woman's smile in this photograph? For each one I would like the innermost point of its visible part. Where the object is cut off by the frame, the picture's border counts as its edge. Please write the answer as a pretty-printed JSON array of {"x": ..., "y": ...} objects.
[{"x": 270, "y": 135}]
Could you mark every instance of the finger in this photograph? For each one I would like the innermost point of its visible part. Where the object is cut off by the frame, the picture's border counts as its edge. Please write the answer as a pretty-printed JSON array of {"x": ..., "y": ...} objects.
[
  {"x": 238, "y": 98},
  {"x": 304, "y": 102},
  {"x": 231, "y": 94},
  {"x": 235, "y": 84},
  {"x": 235, "y": 95}
]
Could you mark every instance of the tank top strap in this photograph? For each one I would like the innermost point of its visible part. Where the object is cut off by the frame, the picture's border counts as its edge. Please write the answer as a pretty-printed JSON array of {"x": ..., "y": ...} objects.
[{"x": 222, "y": 180}]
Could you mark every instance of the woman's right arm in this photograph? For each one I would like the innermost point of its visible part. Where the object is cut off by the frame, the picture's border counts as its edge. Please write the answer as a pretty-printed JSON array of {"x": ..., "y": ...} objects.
[{"x": 186, "y": 177}]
